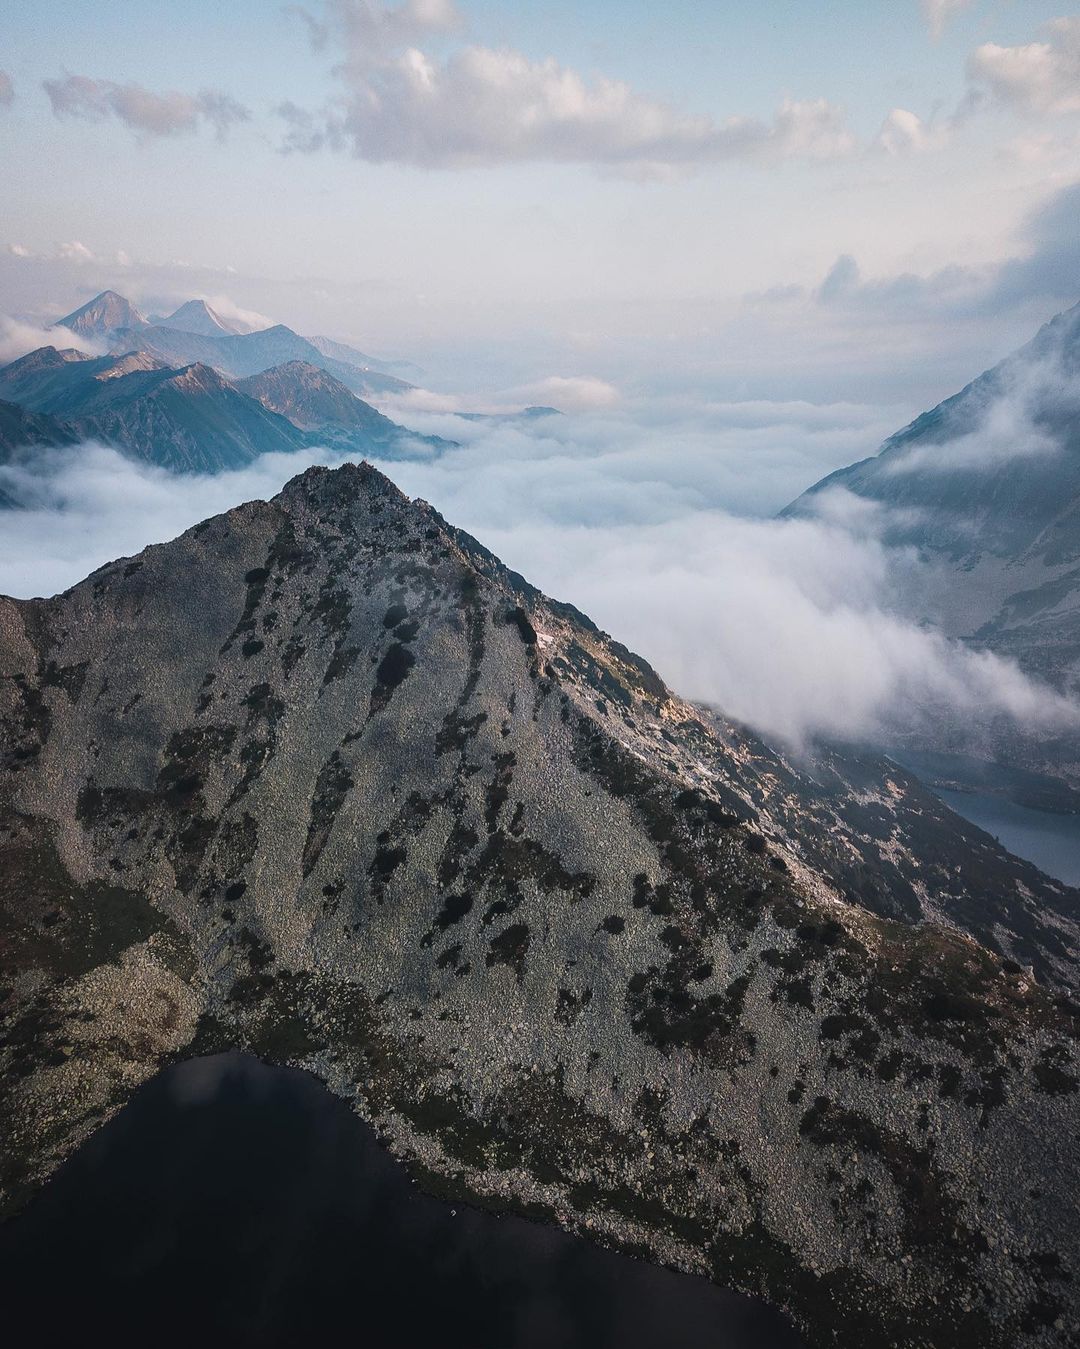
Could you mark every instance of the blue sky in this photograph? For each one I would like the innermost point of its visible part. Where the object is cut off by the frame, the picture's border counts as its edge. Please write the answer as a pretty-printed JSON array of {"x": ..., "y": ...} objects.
[{"x": 637, "y": 238}]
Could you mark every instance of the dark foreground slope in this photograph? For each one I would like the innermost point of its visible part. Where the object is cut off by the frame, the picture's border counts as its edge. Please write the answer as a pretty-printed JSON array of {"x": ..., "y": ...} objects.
[{"x": 323, "y": 780}]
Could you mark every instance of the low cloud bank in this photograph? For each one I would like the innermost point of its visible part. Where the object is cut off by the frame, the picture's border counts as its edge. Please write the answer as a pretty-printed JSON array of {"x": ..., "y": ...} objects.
[
  {"x": 1030, "y": 411},
  {"x": 643, "y": 519},
  {"x": 18, "y": 338}
]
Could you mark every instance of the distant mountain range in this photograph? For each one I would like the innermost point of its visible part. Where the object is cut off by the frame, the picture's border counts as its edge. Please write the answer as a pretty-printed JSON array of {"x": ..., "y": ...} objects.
[
  {"x": 240, "y": 355},
  {"x": 987, "y": 487},
  {"x": 529, "y": 414},
  {"x": 191, "y": 418},
  {"x": 197, "y": 333}
]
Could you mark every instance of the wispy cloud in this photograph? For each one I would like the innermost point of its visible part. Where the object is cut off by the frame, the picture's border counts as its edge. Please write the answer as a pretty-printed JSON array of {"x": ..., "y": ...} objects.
[
  {"x": 938, "y": 12},
  {"x": 17, "y": 338},
  {"x": 7, "y": 90},
  {"x": 145, "y": 112}
]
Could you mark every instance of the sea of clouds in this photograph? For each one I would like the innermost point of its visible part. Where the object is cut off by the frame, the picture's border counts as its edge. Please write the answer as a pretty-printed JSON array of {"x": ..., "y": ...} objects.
[{"x": 655, "y": 518}]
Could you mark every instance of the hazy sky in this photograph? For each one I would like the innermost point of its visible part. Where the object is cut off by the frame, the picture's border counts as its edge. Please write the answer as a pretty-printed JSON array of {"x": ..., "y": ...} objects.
[{"x": 756, "y": 200}]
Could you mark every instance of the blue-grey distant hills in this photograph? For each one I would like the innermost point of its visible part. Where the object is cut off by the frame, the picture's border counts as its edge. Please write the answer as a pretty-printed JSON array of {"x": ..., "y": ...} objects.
[
  {"x": 196, "y": 334},
  {"x": 19, "y": 428},
  {"x": 188, "y": 419},
  {"x": 987, "y": 486}
]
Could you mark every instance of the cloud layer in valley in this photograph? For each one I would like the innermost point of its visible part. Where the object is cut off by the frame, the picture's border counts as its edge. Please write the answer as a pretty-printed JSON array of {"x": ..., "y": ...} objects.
[
  {"x": 639, "y": 516},
  {"x": 17, "y": 338}
]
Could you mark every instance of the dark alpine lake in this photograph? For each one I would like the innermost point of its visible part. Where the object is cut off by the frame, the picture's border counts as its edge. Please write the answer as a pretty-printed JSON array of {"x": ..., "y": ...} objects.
[
  {"x": 1035, "y": 817},
  {"x": 235, "y": 1204},
  {"x": 1049, "y": 840}
]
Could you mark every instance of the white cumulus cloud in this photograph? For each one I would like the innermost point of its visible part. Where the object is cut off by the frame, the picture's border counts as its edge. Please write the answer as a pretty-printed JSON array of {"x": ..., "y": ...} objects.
[
  {"x": 1037, "y": 77},
  {"x": 483, "y": 106}
]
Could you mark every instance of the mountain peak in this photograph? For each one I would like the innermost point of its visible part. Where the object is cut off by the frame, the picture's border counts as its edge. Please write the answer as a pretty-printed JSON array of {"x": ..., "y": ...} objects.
[
  {"x": 314, "y": 400},
  {"x": 198, "y": 376},
  {"x": 47, "y": 358},
  {"x": 376, "y": 807},
  {"x": 196, "y": 316},
  {"x": 103, "y": 315}
]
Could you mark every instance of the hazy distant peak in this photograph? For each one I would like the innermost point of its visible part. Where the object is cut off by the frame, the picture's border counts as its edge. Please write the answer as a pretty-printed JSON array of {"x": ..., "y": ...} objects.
[
  {"x": 196, "y": 316},
  {"x": 102, "y": 315},
  {"x": 313, "y": 399}
]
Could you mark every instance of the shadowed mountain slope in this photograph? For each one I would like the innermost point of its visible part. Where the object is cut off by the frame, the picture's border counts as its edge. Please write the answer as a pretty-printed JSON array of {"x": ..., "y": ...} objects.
[
  {"x": 194, "y": 420},
  {"x": 19, "y": 428},
  {"x": 987, "y": 485},
  {"x": 190, "y": 420},
  {"x": 324, "y": 780},
  {"x": 59, "y": 382},
  {"x": 330, "y": 414}
]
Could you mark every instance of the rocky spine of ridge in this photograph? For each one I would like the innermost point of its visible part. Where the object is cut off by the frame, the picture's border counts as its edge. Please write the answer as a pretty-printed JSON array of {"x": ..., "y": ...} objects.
[{"x": 323, "y": 780}]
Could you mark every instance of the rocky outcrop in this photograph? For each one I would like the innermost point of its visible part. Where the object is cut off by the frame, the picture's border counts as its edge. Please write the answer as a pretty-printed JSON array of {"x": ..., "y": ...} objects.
[{"x": 322, "y": 779}]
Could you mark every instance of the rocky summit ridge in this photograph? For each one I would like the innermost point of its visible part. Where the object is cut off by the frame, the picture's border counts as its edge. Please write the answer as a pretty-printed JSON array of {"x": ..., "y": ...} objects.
[{"x": 324, "y": 780}]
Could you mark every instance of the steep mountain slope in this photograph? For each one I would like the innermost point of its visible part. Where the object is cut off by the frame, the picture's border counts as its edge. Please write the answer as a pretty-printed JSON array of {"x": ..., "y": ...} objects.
[
  {"x": 190, "y": 420},
  {"x": 313, "y": 399},
  {"x": 196, "y": 316},
  {"x": 323, "y": 779},
  {"x": 34, "y": 379},
  {"x": 248, "y": 354},
  {"x": 22, "y": 432},
  {"x": 102, "y": 316},
  {"x": 987, "y": 484},
  {"x": 19, "y": 428},
  {"x": 193, "y": 419}
]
